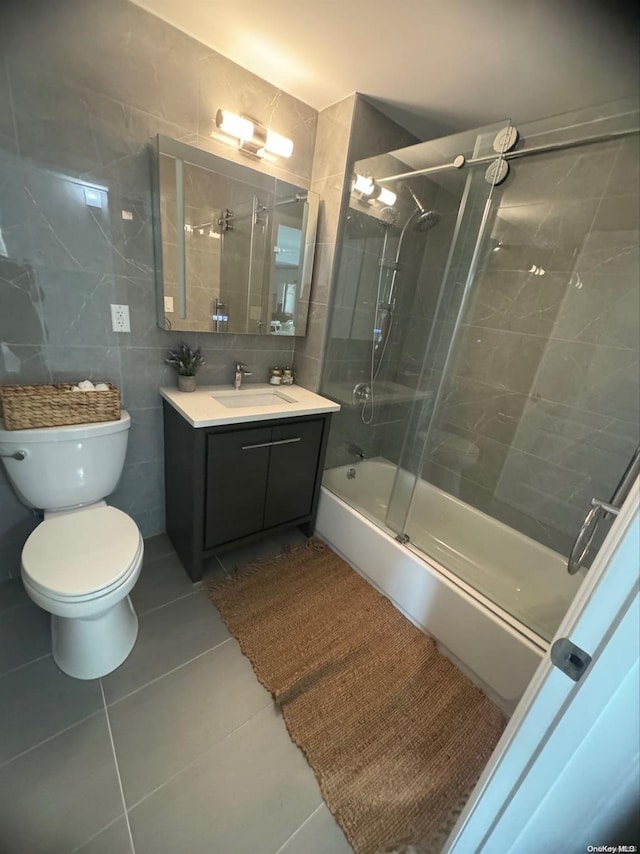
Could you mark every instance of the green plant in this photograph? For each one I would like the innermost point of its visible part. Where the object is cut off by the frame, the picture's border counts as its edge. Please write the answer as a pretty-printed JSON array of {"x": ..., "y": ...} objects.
[{"x": 185, "y": 360}]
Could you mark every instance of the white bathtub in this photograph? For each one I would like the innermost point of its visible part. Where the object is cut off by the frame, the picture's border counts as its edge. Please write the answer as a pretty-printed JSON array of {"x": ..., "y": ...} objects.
[{"x": 474, "y": 562}]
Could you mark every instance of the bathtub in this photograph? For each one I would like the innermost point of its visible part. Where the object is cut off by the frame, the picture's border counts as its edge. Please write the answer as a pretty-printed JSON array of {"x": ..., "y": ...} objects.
[{"x": 490, "y": 596}]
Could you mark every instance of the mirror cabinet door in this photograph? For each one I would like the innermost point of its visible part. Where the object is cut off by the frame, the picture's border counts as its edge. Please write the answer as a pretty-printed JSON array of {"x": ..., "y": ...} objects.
[{"x": 233, "y": 246}]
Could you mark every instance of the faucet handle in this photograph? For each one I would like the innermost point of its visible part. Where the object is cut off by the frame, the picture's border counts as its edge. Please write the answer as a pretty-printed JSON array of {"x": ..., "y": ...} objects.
[{"x": 243, "y": 369}]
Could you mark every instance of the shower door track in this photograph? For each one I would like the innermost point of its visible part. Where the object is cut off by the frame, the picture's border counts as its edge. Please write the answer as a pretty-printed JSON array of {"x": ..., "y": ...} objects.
[{"x": 513, "y": 155}]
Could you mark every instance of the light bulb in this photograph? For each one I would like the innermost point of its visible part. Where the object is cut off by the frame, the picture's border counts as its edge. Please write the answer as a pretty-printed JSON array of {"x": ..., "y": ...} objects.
[
  {"x": 278, "y": 144},
  {"x": 234, "y": 125},
  {"x": 363, "y": 184},
  {"x": 386, "y": 197}
]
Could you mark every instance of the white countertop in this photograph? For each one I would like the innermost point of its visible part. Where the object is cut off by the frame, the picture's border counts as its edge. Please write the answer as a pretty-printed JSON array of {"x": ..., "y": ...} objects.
[{"x": 201, "y": 409}]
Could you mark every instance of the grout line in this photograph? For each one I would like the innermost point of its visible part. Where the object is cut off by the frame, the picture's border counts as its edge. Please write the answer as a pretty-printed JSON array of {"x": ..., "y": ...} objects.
[
  {"x": 169, "y": 672},
  {"x": 115, "y": 759},
  {"x": 223, "y": 567},
  {"x": 297, "y": 830},
  {"x": 164, "y": 604},
  {"x": 49, "y": 738},
  {"x": 204, "y": 753},
  {"x": 25, "y": 664},
  {"x": 95, "y": 835}
]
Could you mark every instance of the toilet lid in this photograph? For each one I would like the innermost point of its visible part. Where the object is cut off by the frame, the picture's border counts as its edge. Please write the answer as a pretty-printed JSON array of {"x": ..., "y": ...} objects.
[{"x": 81, "y": 553}]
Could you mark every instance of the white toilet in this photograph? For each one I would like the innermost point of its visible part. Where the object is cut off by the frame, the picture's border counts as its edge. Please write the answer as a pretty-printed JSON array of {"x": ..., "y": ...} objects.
[{"x": 82, "y": 561}]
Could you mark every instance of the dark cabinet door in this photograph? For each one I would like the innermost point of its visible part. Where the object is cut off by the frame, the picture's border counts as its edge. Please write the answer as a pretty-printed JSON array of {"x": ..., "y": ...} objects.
[
  {"x": 293, "y": 468},
  {"x": 237, "y": 470}
]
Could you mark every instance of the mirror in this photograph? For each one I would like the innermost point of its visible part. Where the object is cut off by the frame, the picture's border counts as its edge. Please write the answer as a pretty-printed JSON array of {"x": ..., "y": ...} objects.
[{"x": 233, "y": 246}]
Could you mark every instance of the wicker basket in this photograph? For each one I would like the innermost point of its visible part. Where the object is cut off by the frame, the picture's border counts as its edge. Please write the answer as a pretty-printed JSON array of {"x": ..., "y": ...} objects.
[{"x": 25, "y": 406}]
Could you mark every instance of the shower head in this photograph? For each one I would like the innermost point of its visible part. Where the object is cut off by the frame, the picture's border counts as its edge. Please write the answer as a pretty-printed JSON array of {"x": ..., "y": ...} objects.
[
  {"x": 427, "y": 220},
  {"x": 388, "y": 217}
]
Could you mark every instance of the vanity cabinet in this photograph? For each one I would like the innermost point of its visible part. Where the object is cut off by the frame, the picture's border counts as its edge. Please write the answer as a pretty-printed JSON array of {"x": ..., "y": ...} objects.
[{"x": 227, "y": 485}]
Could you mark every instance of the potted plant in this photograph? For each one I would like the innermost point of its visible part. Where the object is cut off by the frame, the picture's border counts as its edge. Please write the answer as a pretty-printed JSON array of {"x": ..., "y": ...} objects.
[{"x": 186, "y": 362}]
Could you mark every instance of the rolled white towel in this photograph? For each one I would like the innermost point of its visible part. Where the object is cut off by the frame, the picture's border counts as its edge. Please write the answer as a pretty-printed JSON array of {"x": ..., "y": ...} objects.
[
  {"x": 102, "y": 387},
  {"x": 86, "y": 385},
  {"x": 75, "y": 388}
]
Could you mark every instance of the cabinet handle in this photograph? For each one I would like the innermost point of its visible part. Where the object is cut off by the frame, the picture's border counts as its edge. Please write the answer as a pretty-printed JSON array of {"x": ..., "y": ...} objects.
[{"x": 269, "y": 444}]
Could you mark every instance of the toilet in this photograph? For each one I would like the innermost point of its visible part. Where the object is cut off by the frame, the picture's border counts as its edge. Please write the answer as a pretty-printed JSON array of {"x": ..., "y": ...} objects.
[{"x": 83, "y": 560}]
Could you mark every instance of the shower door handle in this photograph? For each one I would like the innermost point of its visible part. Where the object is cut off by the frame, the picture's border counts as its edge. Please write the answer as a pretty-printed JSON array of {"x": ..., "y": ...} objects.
[
  {"x": 587, "y": 532},
  {"x": 600, "y": 510}
]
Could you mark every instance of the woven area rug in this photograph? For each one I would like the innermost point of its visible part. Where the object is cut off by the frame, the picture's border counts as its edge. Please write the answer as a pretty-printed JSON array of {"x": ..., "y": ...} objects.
[{"x": 394, "y": 732}]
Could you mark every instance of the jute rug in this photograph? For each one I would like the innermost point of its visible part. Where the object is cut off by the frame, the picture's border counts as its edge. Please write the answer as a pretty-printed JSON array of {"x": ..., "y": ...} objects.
[{"x": 394, "y": 732}]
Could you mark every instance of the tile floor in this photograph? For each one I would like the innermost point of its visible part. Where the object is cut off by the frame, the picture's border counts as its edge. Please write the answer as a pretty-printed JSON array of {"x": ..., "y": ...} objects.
[{"x": 180, "y": 750}]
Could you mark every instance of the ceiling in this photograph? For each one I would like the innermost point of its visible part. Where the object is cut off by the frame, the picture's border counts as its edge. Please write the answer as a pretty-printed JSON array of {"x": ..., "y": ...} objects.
[{"x": 437, "y": 67}]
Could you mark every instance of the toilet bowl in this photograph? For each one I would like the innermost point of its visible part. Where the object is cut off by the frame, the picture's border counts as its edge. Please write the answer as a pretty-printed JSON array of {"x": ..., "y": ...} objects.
[
  {"x": 80, "y": 566},
  {"x": 83, "y": 560}
]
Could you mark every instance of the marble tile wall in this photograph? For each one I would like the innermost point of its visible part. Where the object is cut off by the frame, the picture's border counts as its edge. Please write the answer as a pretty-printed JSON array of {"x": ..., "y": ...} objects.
[
  {"x": 545, "y": 379},
  {"x": 348, "y": 131},
  {"x": 84, "y": 85},
  {"x": 334, "y": 129},
  {"x": 341, "y": 308}
]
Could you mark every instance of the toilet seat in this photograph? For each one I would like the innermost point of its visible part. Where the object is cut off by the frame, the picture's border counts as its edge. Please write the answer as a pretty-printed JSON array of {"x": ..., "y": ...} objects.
[{"x": 82, "y": 556}]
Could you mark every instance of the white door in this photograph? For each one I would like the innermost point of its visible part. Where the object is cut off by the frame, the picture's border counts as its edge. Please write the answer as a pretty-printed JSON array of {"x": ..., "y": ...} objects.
[{"x": 565, "y": 774}]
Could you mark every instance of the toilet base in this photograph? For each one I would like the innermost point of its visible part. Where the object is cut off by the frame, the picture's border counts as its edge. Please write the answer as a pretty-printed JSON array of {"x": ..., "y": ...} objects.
[{"x": 92, "y": 647}]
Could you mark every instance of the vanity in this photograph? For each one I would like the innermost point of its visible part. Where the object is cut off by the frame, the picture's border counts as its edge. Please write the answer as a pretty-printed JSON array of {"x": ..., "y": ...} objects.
[{"x": 239, "y": 464}]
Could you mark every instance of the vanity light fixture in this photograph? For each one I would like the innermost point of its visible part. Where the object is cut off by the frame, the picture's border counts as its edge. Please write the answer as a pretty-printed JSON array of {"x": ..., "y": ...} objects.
[
  {"x": 366, "y": 185},
  {"x": 253, "y": 137},
  {"x": 385, "y": 196},
  {"x": 363, "y": 184}
]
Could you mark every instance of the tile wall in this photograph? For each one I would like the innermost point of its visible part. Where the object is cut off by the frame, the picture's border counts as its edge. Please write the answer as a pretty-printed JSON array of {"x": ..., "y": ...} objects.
[
  {"x": 84, "y": 85},
  {"x": 545, "y": 381}
]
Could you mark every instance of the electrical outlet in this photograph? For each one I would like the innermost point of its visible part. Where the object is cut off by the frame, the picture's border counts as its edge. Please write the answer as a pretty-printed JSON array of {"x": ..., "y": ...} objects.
[
  {"x": 168, "y": 304},
  {"x": 120, "y": 318}
]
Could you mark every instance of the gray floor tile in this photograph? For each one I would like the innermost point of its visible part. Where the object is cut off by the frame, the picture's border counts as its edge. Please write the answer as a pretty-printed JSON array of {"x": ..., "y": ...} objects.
[
  {"x": 248, "y": 794},
  {"x": 213, "y": 570},
  {"x": 161, "y": 581},
  {"x": 12, "y": 594},
  {"x": 37, "y": 701},
  {"x": 167, "y": 637},
  {"x": 59, "y": 795},
  {"x": 320, "y": 834},
  {"x": 112, "y": 840},
  {"x": 157, "y": 731},
  {"x": 24, "y": 635},
  {"x": 158, "y": 546},
  {"x": 265, "y": 548}
]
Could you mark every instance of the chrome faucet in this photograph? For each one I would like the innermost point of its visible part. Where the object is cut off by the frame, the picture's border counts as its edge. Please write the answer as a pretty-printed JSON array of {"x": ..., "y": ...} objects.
[{"x": 241, "y": 372}]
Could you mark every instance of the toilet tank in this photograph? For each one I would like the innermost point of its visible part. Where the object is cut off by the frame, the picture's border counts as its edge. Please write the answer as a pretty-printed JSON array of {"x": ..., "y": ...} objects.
[{"x": 65, "y": 466}]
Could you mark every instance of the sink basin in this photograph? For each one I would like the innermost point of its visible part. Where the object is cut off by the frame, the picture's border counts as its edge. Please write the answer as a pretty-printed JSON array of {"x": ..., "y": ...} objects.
[{"x": 243, "y": 399}]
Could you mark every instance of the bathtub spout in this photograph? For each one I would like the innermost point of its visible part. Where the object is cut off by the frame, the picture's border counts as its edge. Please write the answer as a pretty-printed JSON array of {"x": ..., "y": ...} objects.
[{"x": 357, "y": 451}]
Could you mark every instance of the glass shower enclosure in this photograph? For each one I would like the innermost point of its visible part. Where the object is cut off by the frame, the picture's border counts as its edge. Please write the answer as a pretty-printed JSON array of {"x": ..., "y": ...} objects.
[{"x": 483, "y": 343}]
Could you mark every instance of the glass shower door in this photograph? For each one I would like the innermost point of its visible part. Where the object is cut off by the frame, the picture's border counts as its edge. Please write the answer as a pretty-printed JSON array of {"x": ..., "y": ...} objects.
[
  {"x": 445, "y": 282},
  {"x": 388, "y": 309},
  {"x": 536, "y": 406}
]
